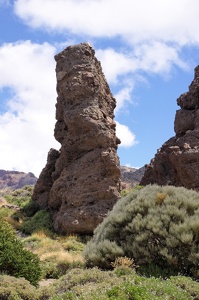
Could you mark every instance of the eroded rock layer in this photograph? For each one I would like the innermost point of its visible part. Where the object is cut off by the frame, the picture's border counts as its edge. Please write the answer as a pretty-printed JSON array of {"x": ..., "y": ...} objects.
[
  {"x": 81, "y": 182},
  {"x": 177, "y": 161}
]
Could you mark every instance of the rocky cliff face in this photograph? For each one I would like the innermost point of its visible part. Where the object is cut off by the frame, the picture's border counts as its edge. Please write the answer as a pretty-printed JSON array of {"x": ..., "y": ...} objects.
[
  {"x": 177, "y": 161},
  {"x": 80, "y": 183}
]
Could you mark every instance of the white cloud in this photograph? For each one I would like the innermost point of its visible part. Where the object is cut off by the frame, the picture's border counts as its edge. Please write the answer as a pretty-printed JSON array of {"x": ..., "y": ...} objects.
[
  {"x": 26, "y": 128},
  {"x": 157, "y": 57},
  {"x": 123, "y": 96},
  {"x": 122, "y": 68},
  {"x": 154, "y": 57},
  {"x": 127, "y": 137},
  {"x": 135, "y": 21},
  {"x": 152, "y": 34},
  {"x": 115, "y": 63}
]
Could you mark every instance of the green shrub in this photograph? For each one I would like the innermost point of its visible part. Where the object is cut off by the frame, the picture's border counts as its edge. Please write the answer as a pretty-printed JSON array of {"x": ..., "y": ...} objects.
[
  {"x": 14, "y": 259},
  {"x": 102, "y": 254},
  {"x": 54, "y": 270},
  {"x": 31, "y": 208},
  {"x": 72, "y": 244},
  {"x": 145, "y": 289},
  {"x": 156, "y": 225},
  {"x": 125, "y": 192},
  {"x": 95, "y": 284},
  {"x": 20, "y": 197},
  {"x": 40, "y": 221},
  {"x": 16, "y": 288},
  {"x": 5, "y": 212},
  {"x": 84, "y": 283}
]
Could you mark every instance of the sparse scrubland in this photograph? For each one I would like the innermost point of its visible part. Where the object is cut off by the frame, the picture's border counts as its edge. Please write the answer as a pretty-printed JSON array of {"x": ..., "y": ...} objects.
[{"x": 146, "y": 248}]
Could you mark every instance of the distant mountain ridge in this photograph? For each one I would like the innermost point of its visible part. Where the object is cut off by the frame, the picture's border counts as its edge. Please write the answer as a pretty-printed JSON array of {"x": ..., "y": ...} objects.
[
  {"x": 131, "y": 176},
  {"x": 12, "y": 180}
]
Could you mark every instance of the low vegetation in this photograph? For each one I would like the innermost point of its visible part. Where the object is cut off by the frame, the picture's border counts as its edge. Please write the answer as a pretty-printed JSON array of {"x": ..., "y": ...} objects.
[
  {"x": 95, "y": 284},
  {"x": 125, "y": 259},
  {"x": 156, "y": 226},
  {"x": 20, "y": 197},
  {"x": 14, "y": 259}
]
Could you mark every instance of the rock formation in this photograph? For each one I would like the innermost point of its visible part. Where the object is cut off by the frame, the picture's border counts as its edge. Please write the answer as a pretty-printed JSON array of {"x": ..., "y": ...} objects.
[
  {"x": 81, "y": 182},
  {"x": 12, "y": 180},
  {"x": 177, "y": 161}
]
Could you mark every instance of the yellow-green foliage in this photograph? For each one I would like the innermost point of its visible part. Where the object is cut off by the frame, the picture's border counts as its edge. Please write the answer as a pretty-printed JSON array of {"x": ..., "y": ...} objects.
[
  {"x": 57, "y": 254},
  {"x": 156, "y": 225},
  {"x": 125, "y": 192},
  {"x": 160, "y": 198},
  {"x": 123, "y": 261}
]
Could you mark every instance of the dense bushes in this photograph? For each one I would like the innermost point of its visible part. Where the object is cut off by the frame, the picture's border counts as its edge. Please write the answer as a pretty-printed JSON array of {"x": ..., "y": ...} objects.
[
  {"x": 40, "y": 221},
  {"x": 154, "y": 226},
  {"x": 14, "y": 259}
]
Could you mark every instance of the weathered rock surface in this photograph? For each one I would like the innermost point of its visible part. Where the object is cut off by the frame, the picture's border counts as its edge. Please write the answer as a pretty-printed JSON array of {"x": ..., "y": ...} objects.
[
  {"x": 81, "y": 182},
  {"x": 12, "y": 180},
  {"x": 177, "y": 161}
]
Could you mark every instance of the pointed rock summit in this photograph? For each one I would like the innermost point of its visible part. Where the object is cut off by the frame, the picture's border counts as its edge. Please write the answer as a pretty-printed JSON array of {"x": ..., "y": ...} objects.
[
  {"x": 81, "y": 182},
  {"x": 177, "y": 161}
]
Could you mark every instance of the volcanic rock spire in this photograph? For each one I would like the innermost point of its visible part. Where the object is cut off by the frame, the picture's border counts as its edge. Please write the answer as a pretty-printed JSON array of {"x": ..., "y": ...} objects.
[{"x": 81, "y": 182}]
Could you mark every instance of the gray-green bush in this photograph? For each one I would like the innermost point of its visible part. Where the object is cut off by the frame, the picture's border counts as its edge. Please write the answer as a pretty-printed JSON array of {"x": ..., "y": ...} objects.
[{"x": 154, "y": 226}]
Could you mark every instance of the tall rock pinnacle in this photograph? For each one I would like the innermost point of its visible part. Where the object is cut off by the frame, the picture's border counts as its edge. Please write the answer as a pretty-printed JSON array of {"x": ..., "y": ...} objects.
[
  {"x": 81, "y": 182},
  {"x": 177, "y": 161}
]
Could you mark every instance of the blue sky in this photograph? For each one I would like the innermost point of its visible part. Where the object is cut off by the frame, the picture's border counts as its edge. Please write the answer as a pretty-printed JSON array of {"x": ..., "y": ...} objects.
[{"x": 148, "y": 51}]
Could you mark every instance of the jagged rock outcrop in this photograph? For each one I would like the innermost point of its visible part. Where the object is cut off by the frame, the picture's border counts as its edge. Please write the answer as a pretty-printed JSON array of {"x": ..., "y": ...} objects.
[
  {"x": 177, "y": 161},
  {"x": 81, "y": 182},
  {"x": 12, "y": 180}
]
